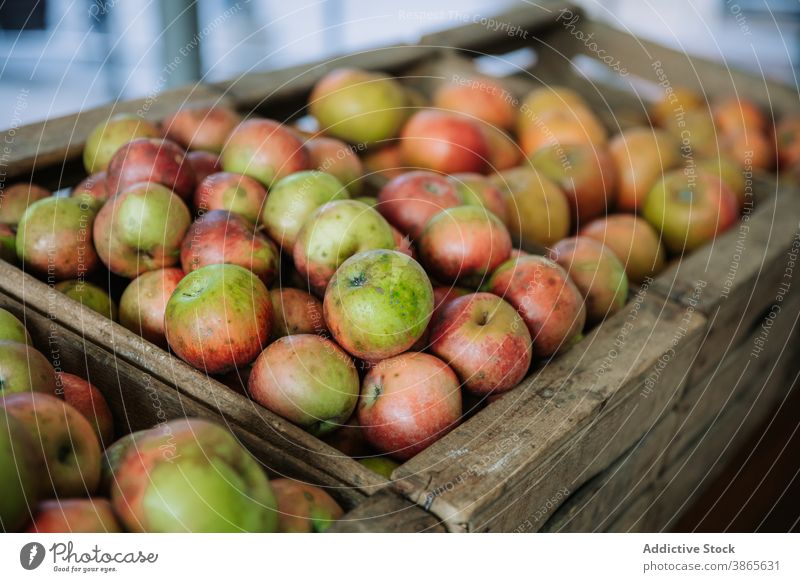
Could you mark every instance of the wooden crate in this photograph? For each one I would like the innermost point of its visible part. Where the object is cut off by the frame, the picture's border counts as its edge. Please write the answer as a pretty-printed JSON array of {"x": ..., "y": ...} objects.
[
  {"x": 139, "y": 401},
  {"x": 590, "y": 440}
]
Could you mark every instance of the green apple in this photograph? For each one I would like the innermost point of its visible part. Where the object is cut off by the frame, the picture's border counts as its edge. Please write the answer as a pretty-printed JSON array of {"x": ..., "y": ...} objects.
[
  {"x": 107, "y": 137},
  {"x": 89, "y": 295},
  {"x": 12, "y": 329},
  {"x": 21, "y": 468},
  {"x": 24, "y": 369}
]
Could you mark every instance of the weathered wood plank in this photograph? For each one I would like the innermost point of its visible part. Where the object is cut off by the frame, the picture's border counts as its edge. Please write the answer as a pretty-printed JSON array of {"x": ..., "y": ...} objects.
[
  {"x": 139, "y": 401},
  {"x": 564, "y": 424},
  {"x": 234, "y": 408},
  {"x": 387, "y": 512}
]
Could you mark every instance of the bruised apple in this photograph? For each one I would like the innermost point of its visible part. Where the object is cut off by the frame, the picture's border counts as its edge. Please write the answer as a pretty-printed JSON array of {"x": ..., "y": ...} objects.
[
  {"x": 304, "y": 508},
  {"x": 443, "y": 142},
  {"x": 465, "y": 244},
  {"x": 545, "y": 297},
  {"x": 597, "y": 272},
  {"x": 484, "y": 340},
  {"x": 225, "y": 237},
  {"x": 158, "y": 161},
  {"x": 265, "y": 150},
  {"x": 690, "y": 212},
  {"x": 306, "y": 379},
  {"x": 218, "y": 318},
  {"x": 407, "y": 403},
  {"x": 359, "y": 107},
  {"x": 634, "y": 242},
  {"x": 201, "y": 128},
  {"x": 378, "y": 304},
  {"x": 410, "y": 200}
]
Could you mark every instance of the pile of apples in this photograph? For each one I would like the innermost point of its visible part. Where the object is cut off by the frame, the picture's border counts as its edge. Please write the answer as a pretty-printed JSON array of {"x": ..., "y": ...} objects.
[
  {"x": 385, "y": 259},
  {"x": 63, "y": 471}
]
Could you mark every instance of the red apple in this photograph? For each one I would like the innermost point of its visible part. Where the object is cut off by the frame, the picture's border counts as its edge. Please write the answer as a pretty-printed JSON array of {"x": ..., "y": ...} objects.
[
  {"x": 306, "y": 379},
  {"x": 484, "y": 340},
  {"x": 204, "y": 164},
  {"x": 545, "y": 297},
  {"x": 151, "y": 160},
  {"x": 67, "y": 440},
  {"x": 337, "y": 159},
  {"x": 93, "y": 190},
  {"x": 410, "y": 200},
  {"x": 304, "y": 508},
  {"x": 24, "y": 369},
  {"x": 597, "y": 272},
  {"x": 477, "y": 190},
  {"x": 444, "y": 142},
  {"x": 15, "y": 199},
  {"x": 465, "y": 243},
  {"x": 231, "y": 192},
  {"x": 225, "y": 237},
  {"x": 201, "y": 128},
  {"x": 54, "y": 238},
  {"x": 144, "y": 301},
  {"x": 90, "y": 402},
  {"x": 585, "y": 174},
  {"x": 690, "y": 211},
  {"x": 738, "y": 115},
  {"x": 265, "y": 150},
  {"x": 74, "y": 516},
  {"x": 479, "y": 98},
  {"x": 359, "y": 107},
  {"x": 408, "y": 402},
  {"x": 296, "y": 312},
  {"x": 635, "y": 243}
]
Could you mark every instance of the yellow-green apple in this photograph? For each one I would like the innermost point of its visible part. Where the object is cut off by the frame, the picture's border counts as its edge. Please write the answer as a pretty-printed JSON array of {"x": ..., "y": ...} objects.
[
  {"x": 202, "y": 127},
  {"x": 477, "y": 190},
  {"x": 378, "y": 304},
  {"x": 158, "y": 161},
  {"x": 727, "y": 170},
  {"x": 337, "y": 159},
  {"x": 359, "y": 107},
  {"x": 484, "y": 340},
  {"x": 89, "y": 295},
  {"x": 232, "y": 192},
  {"x": 144, "y": 301},
  {"x": 545, "y": 99},
  {"x": 141, "y": 229},
  {"x": 562, "y": 126},
  {"x": 220, "y": 236},
  {"x": 203, "y": 164},
  {"x": 15, "y": 199},
  {"x": 265, "y": 150},
  {"x": 22, "y": 467},
  {"x": 667, "y": 111},
  {"x": 464, "y": 244},
  {"x": 585, "y": 174},
  {"x": 12, "y": 329},
  {"x": 304, "y": 508},
  {"x": 545, "y": 297},
  {"x": 408, "y": 402},
  {"x": 640, "y": 156},
  {"x": 332, "y": 234},
  {"x": 443, "y": 142},
  {"x": 308, "y": 380},
  {"x": 538, "y": 211},
  {"x": 66, "y": 439},
  {"x": 218, "y": 318},
  {"x": 383, "y": 466},
  {"x": 293, "y": 199},
  {"x": 24, "y": 369},
  {"x": 92, "y": 190},
  {"x": 479, "y": 98},
  {"x": 690, "y": 211},
  {"x": 54, "y": 238},
  {"x": 410, "y": 200},
  {"x": 74, "y": 516},
  {"x": 503, "y": 151},
  {"x": 597, "y": 272},
  {"x": 296, "y": 312},
  {"x": 635, "y": 243},
  {"x": 90, "y": 402},
  {"x": 108, "y": 136},
  {"x": 192, "y": 475}
]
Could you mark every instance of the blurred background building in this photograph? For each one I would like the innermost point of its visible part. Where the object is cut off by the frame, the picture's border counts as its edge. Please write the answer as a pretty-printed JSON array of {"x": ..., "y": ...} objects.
[{"x": 66, "y": 55}]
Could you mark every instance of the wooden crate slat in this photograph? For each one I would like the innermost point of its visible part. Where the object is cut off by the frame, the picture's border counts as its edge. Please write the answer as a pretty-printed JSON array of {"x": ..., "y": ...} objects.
[
  {"x": 387, "y": 512},
  {"x": 568, "y": 411}
]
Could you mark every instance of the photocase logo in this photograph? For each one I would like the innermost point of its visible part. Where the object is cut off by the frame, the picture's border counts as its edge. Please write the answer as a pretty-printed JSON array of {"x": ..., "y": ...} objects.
[{"x": 31, "y": 555}]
